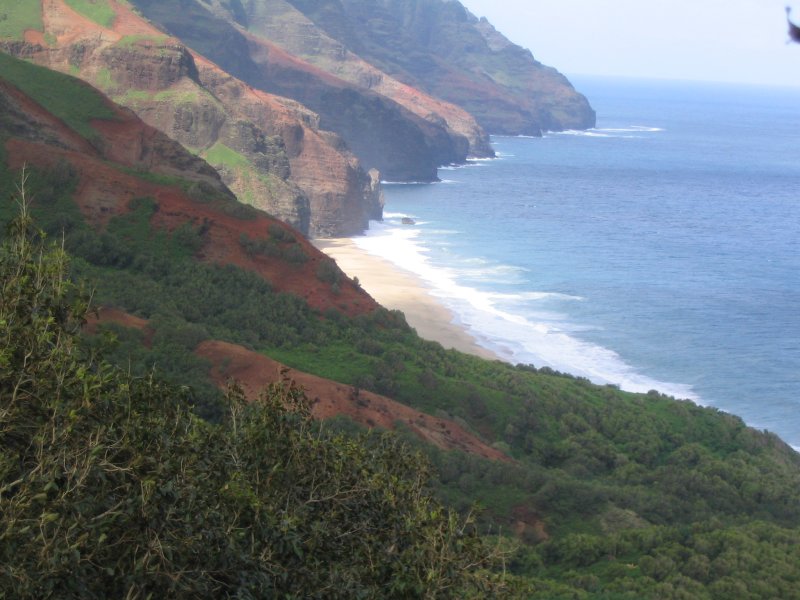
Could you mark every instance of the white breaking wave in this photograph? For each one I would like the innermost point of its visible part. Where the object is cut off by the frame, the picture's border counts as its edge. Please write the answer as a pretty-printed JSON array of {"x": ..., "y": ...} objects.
[
  {"x": 386, "y": 182},
  {"x": 442, "y": 232},
  {"x": 609, "y": 132},
  {"x": 396, "y": 215},
  {"x": 633, "y": 128},
  {"x": 532, "y": 334},
  {"x": 534, "y": 296}
]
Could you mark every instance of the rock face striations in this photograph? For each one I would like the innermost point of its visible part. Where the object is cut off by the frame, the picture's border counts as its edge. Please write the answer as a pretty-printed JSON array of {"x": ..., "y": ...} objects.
[
  {"x": 269, "y": 150},
  {"x": 438, "y": 46},
  {"x": 384, "y": 134},
  {"x": 279, "y": 22}
]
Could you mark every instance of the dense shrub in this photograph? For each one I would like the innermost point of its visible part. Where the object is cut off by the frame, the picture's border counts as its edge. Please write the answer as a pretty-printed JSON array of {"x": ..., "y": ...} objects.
[{"x": 110, "y": 487}]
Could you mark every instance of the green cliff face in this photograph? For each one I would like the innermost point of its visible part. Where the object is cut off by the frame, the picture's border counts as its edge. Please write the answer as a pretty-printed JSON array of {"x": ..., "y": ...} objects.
[{"x": 443, "y": 49}]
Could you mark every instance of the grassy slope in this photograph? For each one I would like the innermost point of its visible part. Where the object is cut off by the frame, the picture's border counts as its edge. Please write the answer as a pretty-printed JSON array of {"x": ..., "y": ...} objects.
[
  {"x": 71, "y": 100},
  {"x": 18, "y": 16},
  {"x": 99, "y": 11}
]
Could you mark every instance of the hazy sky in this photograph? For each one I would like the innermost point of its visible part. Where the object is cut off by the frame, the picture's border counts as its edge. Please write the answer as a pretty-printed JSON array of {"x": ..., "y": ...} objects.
[{"x": 712, "y": 40}]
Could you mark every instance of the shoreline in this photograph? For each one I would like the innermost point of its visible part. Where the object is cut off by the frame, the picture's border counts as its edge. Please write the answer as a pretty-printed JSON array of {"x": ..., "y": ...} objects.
[{"x": 398, "y": 289}]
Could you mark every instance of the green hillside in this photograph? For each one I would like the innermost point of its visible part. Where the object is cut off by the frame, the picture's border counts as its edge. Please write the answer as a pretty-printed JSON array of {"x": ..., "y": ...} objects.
[
  {"x": 111, "y": 488},
  {"x": 635, "y": 493},
  {"x": 18, "y": 16},
  {"x": 69, "y": 99},
  {"x": 610, "y": 494}
]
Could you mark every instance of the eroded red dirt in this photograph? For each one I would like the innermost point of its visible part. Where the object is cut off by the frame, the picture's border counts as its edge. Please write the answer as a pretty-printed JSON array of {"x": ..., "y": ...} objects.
[
  {"x": 106, "y": 314},
  {"x": 104, "y": 191},
  {"x": 254, "y": 372}
]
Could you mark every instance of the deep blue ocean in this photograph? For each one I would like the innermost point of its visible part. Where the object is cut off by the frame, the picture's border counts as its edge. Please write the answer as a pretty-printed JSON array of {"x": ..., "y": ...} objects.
[{"x": 659, "y": 251}]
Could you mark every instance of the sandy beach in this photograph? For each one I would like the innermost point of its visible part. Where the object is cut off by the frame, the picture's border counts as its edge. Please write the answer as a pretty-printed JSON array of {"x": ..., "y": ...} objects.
[{"x": 397, "y": 289}]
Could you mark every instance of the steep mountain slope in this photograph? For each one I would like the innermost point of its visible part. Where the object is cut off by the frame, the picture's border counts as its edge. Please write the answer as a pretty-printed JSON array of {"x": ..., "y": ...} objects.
[
  {"x": 441, "y": 48},
  {"x": 383, "y": 134},
  {"x": 56, "y": 123},
  {"x": 270, "y": 150},
  {"x": 278, "y": 21}
]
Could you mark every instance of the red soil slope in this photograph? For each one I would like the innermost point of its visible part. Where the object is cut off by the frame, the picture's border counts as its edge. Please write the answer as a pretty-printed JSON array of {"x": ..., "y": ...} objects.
[
  {"x": 254, "y": 372},
  {"x": 107, "y": 183}
]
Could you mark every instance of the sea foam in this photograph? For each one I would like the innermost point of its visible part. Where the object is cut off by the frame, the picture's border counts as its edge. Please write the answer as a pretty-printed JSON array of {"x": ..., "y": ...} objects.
[
  {"x": 632, "y": 132},
  {"x": 519, "y": 327}
]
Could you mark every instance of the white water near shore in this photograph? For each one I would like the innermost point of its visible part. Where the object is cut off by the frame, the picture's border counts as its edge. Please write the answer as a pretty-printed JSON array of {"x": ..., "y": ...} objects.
[
  {"x": 401, "y": 290},
  {"x": 517, "y": 327}
]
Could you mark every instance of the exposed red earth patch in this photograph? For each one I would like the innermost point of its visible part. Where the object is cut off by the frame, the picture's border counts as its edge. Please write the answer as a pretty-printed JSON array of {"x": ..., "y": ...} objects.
[
  {"x": 107, "y": 314},
  {"x": 105, "y": 191},
  {"x": 254, "y": 372},
  {"x": 66, "y": 24}
]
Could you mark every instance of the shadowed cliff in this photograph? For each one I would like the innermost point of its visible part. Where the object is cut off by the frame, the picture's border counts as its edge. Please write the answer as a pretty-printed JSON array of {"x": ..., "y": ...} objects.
[{"x": 443, "y": 49}]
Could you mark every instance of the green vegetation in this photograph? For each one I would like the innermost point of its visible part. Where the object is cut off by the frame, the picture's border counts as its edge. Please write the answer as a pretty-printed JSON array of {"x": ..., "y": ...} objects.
[
  {"x": 99, "y": 11},
  {"x": 18, "y": 16},
  {"x": 220, "y": 154},
  {"x": 284, "y": 247},
  {"x": 177, "y": 97},
  {"x": 132, "y": 97},
  {"x": 132, "y": 40},
  {"x": 71, "y": 100},
  {"x": 110, "y": 487},
  {"x": 267, "y": 179},
  {"x": 620, "y": 495},
  {"x": 104, "y": 79},
  {"x": 610, "y": 494}
]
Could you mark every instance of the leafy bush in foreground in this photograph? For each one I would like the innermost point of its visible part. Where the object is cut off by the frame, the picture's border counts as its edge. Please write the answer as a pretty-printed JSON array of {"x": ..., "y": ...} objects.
[{"x": 110, "y": 487}]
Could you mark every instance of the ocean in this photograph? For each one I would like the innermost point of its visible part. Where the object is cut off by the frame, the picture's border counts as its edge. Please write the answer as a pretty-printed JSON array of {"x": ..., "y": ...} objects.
[{"x": 660, "y": 250}]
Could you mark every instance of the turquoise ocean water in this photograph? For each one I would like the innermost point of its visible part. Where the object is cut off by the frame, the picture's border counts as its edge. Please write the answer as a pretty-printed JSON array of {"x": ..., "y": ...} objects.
[{"x": 659, "y": 251}]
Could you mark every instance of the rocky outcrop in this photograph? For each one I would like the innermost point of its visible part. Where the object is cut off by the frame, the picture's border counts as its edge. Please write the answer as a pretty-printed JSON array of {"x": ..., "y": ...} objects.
[
  {"x": 269, "y": 150},
  {"x": 441, "y": 48},
  {"x": 383, "y": 134},
  {"x": 343, "y": 197},
  {"x": 120, "y": 139}
]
